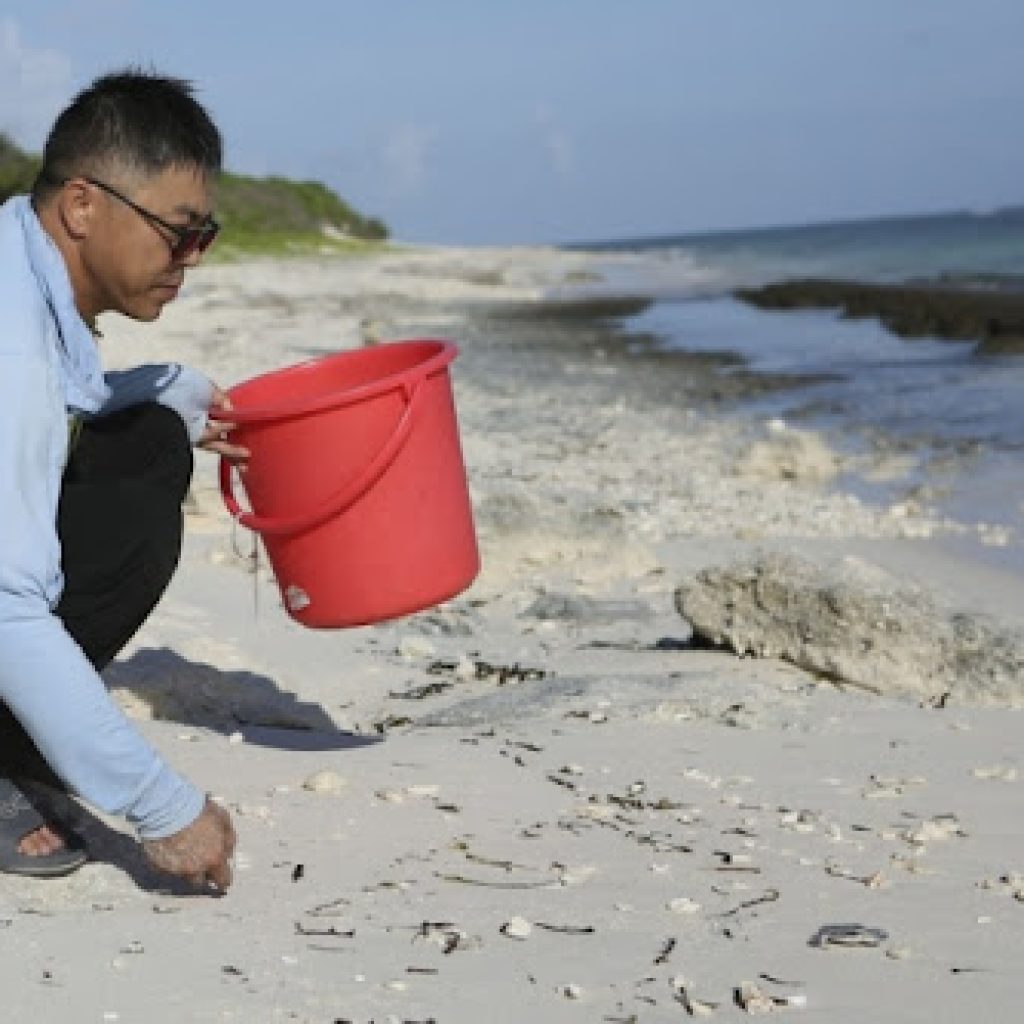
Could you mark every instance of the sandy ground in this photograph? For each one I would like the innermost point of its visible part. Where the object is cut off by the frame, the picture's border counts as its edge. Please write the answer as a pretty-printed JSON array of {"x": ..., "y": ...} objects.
[{"x": 541, "y": 802}]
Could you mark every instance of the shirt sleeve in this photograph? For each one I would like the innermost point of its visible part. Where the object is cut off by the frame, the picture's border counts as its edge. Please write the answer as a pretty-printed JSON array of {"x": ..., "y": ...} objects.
[
  {"x": 188, "y": 392},
  {"x": 45, "y": 678}
]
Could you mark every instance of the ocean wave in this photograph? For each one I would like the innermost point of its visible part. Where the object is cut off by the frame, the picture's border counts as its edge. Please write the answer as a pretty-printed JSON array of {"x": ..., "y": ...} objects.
[{"x": 673, "y": 273}]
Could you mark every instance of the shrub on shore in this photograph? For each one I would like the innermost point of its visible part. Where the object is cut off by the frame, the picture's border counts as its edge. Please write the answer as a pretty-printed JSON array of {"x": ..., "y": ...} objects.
[
  {"x": 273, "y": 215},
  {"x": 17, "y": 169}
]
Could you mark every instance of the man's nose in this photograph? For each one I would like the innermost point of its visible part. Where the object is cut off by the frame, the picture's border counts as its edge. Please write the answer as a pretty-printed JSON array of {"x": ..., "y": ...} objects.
[{"x": 192, "y": 259}]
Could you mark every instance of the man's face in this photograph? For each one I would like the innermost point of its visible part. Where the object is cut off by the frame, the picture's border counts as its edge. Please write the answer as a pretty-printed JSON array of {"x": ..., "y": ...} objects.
[{"x": 127, "y": 256}]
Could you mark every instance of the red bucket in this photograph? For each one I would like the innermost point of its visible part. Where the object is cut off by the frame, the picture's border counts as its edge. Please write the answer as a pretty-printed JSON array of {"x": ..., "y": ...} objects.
[{"x": 356, "y": 482}]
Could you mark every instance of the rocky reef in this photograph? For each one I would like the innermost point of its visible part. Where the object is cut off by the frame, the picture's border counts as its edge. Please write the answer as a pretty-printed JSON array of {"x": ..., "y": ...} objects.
[{"x": 987, "y": 311}]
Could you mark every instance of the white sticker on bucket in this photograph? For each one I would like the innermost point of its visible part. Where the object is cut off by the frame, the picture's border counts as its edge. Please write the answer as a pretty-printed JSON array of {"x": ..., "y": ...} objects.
[{"x": 296, "y": 598}]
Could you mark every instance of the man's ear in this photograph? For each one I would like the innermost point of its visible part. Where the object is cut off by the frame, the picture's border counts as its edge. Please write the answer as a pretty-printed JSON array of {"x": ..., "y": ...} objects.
[{"x": 76, "y": 204}]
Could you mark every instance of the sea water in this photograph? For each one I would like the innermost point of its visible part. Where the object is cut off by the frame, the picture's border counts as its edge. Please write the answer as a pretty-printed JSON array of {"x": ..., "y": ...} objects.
[
  {"x": 884, "y": 250},
  {"x": 934, "y": 399}
]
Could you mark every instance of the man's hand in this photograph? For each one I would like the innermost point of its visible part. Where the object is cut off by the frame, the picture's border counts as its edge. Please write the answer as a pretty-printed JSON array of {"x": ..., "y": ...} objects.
[
  {"x": 200, "y": 852},
  {"x": 216, "y": 435}
]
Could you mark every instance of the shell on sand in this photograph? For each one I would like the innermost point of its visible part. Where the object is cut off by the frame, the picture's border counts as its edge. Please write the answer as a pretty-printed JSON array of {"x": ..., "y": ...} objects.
[
  {"x": 517, "y": 928},
  {"x": 325, "y": 781},
  {"x": 683, "y": 905}
]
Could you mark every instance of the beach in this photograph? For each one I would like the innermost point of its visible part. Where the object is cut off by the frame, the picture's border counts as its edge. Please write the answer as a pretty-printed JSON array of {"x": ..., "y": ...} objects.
[{"x": 710, "y": 735}]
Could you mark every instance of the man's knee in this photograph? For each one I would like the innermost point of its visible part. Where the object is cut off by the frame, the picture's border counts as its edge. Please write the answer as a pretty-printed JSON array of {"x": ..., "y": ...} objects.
[
  {"x": 144, "y": 444},
  {"x": 161, "y": 432},
  {"x": 156, "y": 440}
]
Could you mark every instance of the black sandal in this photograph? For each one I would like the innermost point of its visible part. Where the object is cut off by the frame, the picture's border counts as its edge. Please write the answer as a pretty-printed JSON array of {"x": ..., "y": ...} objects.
[{"x": 18, "y": 817}]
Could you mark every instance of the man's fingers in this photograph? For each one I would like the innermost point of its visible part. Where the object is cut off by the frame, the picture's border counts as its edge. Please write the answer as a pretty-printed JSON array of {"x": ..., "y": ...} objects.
[
  {"x": 217, "y": 874},
  {"x": 220, "y": 875},
  {"x": 217, "y": 430},
  {"x": 227, "y": 449},
  {"x": 221, "y": 398},
  {"x": 233, "y": 452},
  {"x": 220, "y": 402}
]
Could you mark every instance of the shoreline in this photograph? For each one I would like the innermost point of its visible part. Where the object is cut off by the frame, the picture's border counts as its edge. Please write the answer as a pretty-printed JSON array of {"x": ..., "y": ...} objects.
[
  {"x": 543, "y": 800},
  {"x": 898, "y": 440}
]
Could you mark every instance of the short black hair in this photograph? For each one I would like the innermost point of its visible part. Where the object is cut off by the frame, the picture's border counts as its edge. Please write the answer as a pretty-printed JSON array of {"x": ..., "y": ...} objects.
[{"x": 140, "y": 120}]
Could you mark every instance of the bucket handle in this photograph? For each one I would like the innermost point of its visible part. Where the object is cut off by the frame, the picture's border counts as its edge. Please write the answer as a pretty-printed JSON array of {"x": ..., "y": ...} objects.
[{"x": 338, "y": 502}]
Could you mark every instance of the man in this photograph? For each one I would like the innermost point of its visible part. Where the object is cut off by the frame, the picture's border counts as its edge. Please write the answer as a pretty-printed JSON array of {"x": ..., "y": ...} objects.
[{"x": 94, "y": 468}]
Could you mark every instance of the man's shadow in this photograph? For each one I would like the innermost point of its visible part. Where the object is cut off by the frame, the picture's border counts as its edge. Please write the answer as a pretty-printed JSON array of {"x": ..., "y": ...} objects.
[
  {"x": 159, "y": 683},
  {"x": 165, "y": 686}
]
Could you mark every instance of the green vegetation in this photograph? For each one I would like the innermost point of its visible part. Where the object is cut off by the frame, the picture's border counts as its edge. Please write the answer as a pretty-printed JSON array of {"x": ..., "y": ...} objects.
[
  {"x": 260, "y": 216},
  {"x": 277, "y": 216},
  {"x": 17, "y": 169}
]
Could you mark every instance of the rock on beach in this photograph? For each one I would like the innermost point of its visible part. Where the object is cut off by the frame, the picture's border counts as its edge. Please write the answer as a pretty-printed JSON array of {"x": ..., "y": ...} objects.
[{"x": 854, "y": 625}]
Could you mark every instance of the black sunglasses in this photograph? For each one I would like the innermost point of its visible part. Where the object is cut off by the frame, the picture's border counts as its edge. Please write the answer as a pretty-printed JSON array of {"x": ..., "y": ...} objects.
[{"x": 187, "y": 240}]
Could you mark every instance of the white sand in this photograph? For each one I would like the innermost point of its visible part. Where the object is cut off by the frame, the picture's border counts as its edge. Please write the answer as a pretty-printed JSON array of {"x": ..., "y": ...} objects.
[{"x": 643, "y": 829}]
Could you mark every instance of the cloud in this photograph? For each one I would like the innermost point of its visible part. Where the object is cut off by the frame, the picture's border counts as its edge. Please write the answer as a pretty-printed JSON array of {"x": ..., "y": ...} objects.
[
  {"x": 34, "y": 85},
  {"x": 405, "y": 157},
  {"x": 557, "y": 144}
]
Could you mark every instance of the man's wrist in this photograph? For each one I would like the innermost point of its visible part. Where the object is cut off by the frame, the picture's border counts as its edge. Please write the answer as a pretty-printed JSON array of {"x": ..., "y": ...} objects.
[{"x": 169, "y": 804}]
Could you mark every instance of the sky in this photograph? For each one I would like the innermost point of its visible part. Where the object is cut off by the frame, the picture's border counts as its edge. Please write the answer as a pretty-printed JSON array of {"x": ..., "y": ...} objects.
[{"x": 524, "y": 121}]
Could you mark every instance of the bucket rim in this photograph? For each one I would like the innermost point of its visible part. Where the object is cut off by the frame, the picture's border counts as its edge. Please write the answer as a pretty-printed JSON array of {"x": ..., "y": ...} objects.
[{"x": 439, "y": 360}]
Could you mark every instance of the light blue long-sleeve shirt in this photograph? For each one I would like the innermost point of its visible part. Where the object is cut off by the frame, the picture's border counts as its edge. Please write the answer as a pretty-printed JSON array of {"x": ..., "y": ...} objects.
[{"x": 50, "y": 368}]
